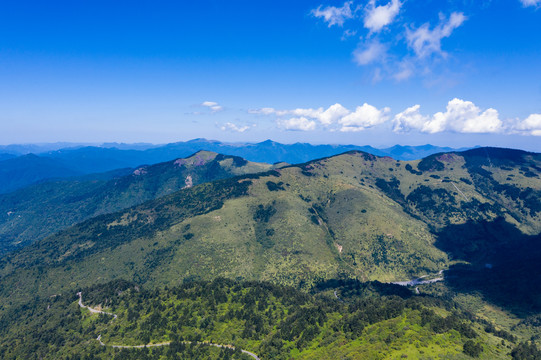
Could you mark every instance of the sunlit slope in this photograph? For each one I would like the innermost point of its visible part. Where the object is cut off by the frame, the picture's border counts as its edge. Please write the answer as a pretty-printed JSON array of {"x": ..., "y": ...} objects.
[
  {"x": 35, "y": 212},
  {"x": 474, "y": 185},
  {"x": 352, "y": 215},
  {"x": 371, "y": 321}
]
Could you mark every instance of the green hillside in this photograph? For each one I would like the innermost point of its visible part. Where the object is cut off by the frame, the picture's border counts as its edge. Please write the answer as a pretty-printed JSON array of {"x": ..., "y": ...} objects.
[
  {"x": 475, "y": 215},
  {"x": 271, "y": 322},
  {"x": 35, "y": 212},
  {"x": 370, "y": 218}
]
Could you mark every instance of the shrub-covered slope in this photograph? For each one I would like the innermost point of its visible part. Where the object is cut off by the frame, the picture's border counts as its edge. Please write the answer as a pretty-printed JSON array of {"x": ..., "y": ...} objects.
[
  {"x": 352, "y": 215},
  {"x": 34, "y": 212}
]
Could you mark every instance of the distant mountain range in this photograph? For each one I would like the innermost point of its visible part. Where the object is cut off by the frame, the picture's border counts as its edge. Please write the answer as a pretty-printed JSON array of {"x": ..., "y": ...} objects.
[
  {"x": 38, "y": 163},
  {"x": 6, "y": 156},
  {"x": 28, "y": 169}
]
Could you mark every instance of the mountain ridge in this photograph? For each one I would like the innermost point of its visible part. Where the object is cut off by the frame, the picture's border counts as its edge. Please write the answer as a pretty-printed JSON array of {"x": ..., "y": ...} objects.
[
  {"x": 24, "y": 218},
  {"x": 316, "y": 206},
  {"x": 86, "y": 159}
]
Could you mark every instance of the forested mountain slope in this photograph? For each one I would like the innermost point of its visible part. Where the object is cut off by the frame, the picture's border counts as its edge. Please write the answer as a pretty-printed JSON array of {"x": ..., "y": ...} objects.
[
  {"x": 352, "y": 215},
  {"x": 267, "y": 321},
  {"x": 25, "y": 170},
  {"x": 321, "y": 227},
  {"x": 32, "y": 213}
]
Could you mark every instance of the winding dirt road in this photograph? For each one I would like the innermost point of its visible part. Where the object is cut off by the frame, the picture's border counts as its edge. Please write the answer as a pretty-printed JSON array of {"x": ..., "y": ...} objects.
[
  {"x": 96, "y": 311},
  {"x": 92, "y": 310}
]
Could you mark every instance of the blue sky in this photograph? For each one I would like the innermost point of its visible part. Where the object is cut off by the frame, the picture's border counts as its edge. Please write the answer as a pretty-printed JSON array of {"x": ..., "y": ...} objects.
[{"x": 457, "y": 72}]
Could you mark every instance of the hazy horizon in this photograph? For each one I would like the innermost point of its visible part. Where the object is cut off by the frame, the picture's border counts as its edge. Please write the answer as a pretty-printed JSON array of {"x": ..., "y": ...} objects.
[
  {"x": 53, "y": 146},
  {"x": 377, "y": 73}
]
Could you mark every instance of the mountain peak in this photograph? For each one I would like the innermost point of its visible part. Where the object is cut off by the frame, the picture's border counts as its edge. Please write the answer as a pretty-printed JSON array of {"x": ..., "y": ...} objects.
[
  {"x": 203, "y": 140},
  {"x": 268, "y": 142},
  {"x": 199, "y": 158}
]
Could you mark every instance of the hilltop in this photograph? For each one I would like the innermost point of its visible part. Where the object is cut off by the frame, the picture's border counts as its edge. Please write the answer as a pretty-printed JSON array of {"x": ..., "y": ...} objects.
[{"x": 55, "y": 161}]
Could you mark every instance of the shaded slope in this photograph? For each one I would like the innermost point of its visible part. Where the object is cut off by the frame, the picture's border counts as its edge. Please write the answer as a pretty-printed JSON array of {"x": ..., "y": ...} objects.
[
  {"x": 6, "y": 156},
  {"x": 502, "y": 264},
  {"x": 22, "y": 171}
]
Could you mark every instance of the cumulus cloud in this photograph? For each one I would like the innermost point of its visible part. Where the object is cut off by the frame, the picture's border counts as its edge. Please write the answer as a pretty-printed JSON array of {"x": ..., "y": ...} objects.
[
  {"x": 377, "y": 17},
  {"x": 369, "y": 53},
  {"x": 325, "y": 117},
  {"x": 335, "y": 117},
  {"x": 233, "y": 127},
  {"x": 311, "y": 113},
  {"x": 531, "y": 125},
  {"x": 365, "y": 116},
  {"x": 332, "y": 114},
  {"x": 409, "y": 119},
  {"x": 460, "y": 116},
  {"x": 298, "y": 123},
  {"x": 531, "y": 2},
  {"x": 426, "y": 42},
  {"x": 333, "y": 15},
  {"x": 214, "y": 106}
]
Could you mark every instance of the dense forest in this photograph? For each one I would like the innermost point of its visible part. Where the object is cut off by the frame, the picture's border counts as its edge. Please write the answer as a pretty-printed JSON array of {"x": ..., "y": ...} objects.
[{"x": 340, "y": 319}]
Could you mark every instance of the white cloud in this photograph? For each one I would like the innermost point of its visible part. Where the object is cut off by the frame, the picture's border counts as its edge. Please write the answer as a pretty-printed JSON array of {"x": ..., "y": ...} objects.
[
  {"x": 384, "y": 49},
  {"x": 298, "y": 123},
  {"x": 405, "y": 72},
  {"x": 460, "y": 116},
  {"x": 332, "y": 114},
  {"x": 365, "y": 116},
  {"x": 369, "y": 53},
  {"x": 531, "y": 2},
  {"x": 426, "y": 42},
  {"x": 233, "y": 127},
  {"x": 347, "y": 34},
  {"x": 325, "y": 117},
  {"x": 209, "y": 103},
  {"x": 464, "y": 116},
  {"x": 263, "y": 111},
  {"x": 409, "y": 119},
  {"x": 377, "y": 76},
  {"x": 531, "y": 125},
  {"x": 311, "y": 113},
  {"x": 334, "y": 117},
  {"x": 335, "y": 15},
  {"x": 214, "y": 106},
  {"x": 377, "y": 17}
]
